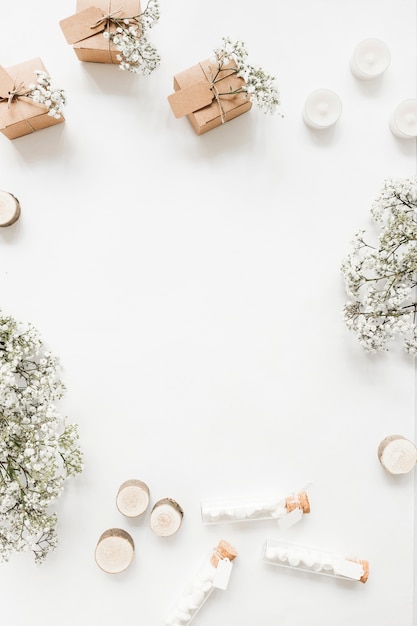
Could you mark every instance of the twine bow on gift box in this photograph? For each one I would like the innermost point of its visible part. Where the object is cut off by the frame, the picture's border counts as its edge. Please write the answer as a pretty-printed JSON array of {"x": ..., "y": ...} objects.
[
  {"x": 15, "y": 93},
  {"x": 108, "y": 18},
  {"x": 120, "y": 22}
]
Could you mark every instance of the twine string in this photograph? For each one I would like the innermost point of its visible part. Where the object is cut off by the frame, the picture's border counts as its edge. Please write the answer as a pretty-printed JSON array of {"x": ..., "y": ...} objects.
[
  {"x": 216, "y": 95},
  {"x": 18, "y": 91},
  {"x": 107, "y": 18},
  {"x": 14, "y": 94}
]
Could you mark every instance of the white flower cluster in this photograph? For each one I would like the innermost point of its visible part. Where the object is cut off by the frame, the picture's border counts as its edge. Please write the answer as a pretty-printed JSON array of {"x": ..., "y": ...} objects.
[
  {"x": 38, "y": 451},
  {"x": 137, "y": 55},
  {"x": 382, "y": 278},
  {"x": 43, "y": 93},
  {"x": 259, "y": 86}
]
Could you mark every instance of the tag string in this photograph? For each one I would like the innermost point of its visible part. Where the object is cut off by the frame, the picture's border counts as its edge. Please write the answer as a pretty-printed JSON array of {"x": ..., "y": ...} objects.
[{"x": 216, "y": 94}]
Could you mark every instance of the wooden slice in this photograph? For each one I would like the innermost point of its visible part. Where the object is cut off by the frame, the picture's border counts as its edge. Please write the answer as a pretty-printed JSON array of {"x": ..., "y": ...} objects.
[
  {"x": 9, "y": 209},
  {"x": 397, "y": 454},
  {"x": 166, "y": 517},
  {"x": 132, "y": 498},
  {"x": 114, "y": 551}
]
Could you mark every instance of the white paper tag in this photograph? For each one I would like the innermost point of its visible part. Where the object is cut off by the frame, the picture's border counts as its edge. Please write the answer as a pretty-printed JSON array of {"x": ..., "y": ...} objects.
[
  {"x": 290, "y": 519},
  {"x": 222, "y": 575},
  {"x": 350, "y": 569}
]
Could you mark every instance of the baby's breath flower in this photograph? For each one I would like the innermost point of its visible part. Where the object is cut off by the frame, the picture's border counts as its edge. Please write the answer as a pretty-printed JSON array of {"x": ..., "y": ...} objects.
[
  {"x": 259, "y": 86},
  {"x": 381, "y": 279},
  {"x": 38, "y": 450},
  {"x": 43, "y": 93},
  {"x": 136, "y": 54}
]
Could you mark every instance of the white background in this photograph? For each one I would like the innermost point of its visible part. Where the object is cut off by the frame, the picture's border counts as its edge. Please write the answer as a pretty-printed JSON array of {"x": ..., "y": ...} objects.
[{"x": 191, "y": 287}]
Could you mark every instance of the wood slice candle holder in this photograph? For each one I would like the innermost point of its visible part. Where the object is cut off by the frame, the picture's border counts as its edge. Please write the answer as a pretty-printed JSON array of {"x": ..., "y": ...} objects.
[
  {"x": 114, "y": 551},
  {"x": 166, "y": 517},
  {"x": 133, "y": 498},
  {"x": 397, "y": 454},
  {"x": 9, "y": 208}
]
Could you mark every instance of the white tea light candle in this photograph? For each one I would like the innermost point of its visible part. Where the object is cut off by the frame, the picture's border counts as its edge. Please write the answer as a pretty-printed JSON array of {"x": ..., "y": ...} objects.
[
  {"x": 403, "y": 121},
  {"x": 322, "y": 109},
  {"x": 370, "y": 59},
  {"x": 9, "y": 209}
]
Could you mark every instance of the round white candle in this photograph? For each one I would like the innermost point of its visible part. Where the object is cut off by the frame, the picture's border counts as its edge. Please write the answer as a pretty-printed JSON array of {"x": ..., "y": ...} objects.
[
  {"x": 322, "y": 109},
  {"x": 370, "y": 59},
  {"x": 403, "y": 121}
]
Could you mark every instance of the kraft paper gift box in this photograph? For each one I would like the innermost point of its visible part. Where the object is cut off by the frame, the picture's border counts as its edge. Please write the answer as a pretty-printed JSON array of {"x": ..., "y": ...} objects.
[
  {"x": 207, "y": 103},
  {"x": 21, "y": 116},
  {"x": 85, "y": 29}
]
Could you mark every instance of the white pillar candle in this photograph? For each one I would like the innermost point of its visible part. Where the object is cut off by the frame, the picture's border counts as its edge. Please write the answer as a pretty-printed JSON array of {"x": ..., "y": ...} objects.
[
  {"x": 370, "y": 59},
  {"x": 322, "y": 109},
  {"x": 9, "y": 209},
  {"x": 403, "y": 121}
]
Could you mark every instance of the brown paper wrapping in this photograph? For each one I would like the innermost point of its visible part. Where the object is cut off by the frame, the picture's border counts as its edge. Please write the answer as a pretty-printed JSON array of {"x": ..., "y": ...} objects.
[
  {"x": 206, "y": 116},
  {"x": 95, "y": 48},
  {"x": 23, "y": 116}
]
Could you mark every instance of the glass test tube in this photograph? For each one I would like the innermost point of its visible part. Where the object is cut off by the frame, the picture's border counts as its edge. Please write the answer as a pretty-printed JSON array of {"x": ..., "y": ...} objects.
[
  {"x": 255, "y": 508},
  {"x": 315, "y": 561},
  {"x": 202, "y": 585}
]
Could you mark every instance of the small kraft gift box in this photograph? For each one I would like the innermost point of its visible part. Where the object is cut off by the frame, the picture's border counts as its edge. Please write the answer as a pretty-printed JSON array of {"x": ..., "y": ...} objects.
[
  {"x": 84, "y": 30},
  {"x": 207, "y": 96},
  {"x": 19, "y": 114}
]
